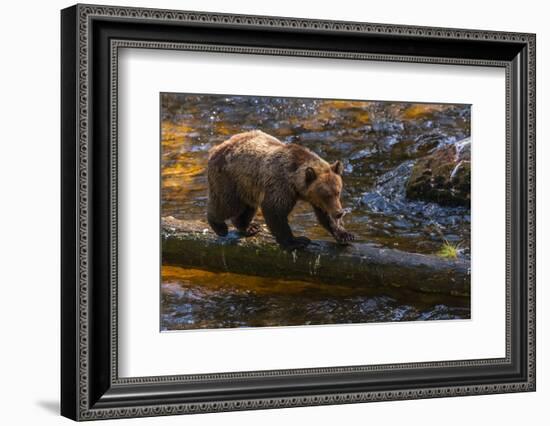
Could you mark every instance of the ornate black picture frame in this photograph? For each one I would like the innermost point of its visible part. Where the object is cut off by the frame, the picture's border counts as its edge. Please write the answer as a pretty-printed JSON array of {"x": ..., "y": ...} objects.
[{"x": 91, "y": 36}]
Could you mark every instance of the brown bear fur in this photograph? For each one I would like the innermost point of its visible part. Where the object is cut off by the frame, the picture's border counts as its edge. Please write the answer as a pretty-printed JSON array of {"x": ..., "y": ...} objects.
[{"x": 253, "y": 169}]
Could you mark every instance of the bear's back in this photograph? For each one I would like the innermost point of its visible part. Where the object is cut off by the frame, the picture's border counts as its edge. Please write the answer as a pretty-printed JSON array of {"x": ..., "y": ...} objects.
[
  {"x": 244, "y": 148},
  {"x": 245, "y": 162}
]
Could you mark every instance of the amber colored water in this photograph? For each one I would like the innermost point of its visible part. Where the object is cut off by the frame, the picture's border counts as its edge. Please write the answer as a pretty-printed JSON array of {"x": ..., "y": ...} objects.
[{"x": 193, "y": 298}]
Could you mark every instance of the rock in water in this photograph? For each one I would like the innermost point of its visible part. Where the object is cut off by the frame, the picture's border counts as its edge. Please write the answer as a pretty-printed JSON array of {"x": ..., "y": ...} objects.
[{"x": 443, "y": 176}]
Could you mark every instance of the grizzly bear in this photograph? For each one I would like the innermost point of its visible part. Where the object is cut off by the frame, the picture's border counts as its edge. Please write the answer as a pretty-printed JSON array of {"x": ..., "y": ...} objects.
[{"x": 253, "y": 169}]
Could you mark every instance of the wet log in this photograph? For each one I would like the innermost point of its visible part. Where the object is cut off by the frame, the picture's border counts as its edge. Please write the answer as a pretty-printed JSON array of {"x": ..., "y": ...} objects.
[{"x": 193, "y": 244}]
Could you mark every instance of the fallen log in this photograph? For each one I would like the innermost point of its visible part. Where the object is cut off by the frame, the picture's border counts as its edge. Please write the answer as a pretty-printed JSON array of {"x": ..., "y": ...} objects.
[{"x": 193, "y": 244}]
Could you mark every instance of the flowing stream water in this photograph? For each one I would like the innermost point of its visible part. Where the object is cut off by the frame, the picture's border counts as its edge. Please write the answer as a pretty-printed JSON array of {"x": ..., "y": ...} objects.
[{"x": 378, "y": 142}]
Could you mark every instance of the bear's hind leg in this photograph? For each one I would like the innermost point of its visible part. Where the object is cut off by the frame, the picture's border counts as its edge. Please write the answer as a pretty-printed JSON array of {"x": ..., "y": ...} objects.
[
  {"x": 218, "y": 210},
  {"x": 243, "y": 222},
  {"x": 219, "y": 227},
  {"x": 215, "y": 219}
]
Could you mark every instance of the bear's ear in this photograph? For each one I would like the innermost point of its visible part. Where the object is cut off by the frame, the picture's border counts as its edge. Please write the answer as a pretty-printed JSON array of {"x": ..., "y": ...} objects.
[
  {"x": 310, "y": 175},
  {"x": 337, "y": 167}
]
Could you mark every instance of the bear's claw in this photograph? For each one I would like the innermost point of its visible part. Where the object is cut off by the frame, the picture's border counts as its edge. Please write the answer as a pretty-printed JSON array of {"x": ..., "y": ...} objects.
[
  {"x": 252, "y": 230},
  {"x": 344, "y": 237}
]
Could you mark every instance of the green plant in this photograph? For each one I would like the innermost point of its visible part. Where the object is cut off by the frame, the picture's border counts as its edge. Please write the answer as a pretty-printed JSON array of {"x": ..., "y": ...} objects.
[{"x": 449, "y": 250}]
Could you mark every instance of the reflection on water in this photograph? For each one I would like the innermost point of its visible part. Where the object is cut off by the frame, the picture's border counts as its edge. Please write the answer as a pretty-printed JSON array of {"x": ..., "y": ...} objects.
[
  {"x": 193, "y": 298},
  {"x": 378, "y": 143}
]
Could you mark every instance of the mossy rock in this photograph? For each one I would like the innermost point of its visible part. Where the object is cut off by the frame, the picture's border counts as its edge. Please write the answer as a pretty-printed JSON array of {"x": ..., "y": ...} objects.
[{"x": 443, "y": 176}]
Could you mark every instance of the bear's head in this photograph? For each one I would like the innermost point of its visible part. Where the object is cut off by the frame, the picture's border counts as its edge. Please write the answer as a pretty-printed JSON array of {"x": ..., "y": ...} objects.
[{"x": 323, "y": 185}]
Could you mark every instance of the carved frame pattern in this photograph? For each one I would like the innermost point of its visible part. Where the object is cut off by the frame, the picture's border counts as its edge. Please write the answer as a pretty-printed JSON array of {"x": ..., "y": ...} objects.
[{"x": 85, "y": 13}]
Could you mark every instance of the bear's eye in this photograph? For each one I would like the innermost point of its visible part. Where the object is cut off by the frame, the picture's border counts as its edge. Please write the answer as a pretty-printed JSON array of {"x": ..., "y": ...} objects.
[
  {"x": 329, "y": 194},
  {"x": 326, "y": 193}
]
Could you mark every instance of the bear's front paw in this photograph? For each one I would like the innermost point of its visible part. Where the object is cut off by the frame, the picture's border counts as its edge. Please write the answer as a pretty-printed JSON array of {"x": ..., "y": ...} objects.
[
  {"x": 297, "y": 243},
  {"x": 344, "y": 237}
]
